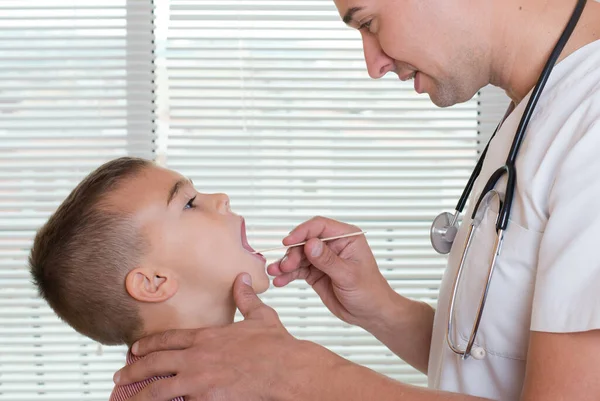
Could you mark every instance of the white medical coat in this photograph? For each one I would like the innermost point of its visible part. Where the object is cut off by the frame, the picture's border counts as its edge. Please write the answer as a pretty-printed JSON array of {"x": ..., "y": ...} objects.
[{"x": 548, "y": 275}]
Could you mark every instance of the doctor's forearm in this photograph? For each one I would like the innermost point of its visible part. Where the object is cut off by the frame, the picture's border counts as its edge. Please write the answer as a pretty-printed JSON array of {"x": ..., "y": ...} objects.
[
  {"x": 351, "y": 382},
  {"x": 405, "y": 327}
]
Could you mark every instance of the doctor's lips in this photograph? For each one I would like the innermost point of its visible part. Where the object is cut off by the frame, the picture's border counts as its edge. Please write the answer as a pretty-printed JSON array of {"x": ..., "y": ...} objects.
[
  {"x": 407, "y": 76},
  {"x": 246, "y": 245}
]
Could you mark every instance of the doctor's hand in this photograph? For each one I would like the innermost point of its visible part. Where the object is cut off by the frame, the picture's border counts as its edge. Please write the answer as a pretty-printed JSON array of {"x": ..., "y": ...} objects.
[
  {"x": 345, "y": 275},
  {"x": 342, "y": 272},
  {"x": 255, "y": 359}
]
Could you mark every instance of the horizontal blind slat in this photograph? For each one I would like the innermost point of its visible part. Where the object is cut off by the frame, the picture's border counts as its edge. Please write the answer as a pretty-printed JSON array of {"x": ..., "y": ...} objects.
[
  {"x": 282, "y": 116},
  {"x": 76, "y": 89}
]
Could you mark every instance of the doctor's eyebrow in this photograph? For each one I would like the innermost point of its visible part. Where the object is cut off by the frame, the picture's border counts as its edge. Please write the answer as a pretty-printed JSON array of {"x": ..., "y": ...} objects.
[
  {"x": 175, "y": 189},
  {"x": 350, "y": 14}
]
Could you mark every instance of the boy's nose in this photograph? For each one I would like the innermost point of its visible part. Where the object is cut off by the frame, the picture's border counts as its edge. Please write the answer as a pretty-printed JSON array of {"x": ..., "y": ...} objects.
[{"x": 222, "y": 203}]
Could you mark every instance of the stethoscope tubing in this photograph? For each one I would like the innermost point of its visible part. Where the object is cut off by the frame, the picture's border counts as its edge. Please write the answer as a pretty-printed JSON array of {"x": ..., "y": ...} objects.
[
  {"x": 509, "y": 167},
  {"x": 509, "y": 170}
]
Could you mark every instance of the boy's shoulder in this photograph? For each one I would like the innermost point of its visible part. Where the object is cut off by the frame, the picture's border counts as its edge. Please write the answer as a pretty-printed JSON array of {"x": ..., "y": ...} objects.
[{"x": 124, "y": 393}]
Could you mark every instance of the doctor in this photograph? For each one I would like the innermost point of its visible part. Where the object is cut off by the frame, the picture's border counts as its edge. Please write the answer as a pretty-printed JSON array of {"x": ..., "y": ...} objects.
[{"x": 539, "y": 333}]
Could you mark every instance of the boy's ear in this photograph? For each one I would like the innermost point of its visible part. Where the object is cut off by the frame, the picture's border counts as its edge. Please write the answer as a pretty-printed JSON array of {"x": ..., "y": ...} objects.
[{"x": 149, "y": 285}]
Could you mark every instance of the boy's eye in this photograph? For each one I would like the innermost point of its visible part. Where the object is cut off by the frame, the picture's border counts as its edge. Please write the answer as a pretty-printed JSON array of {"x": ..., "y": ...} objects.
[{"x": 190, "y": 204}]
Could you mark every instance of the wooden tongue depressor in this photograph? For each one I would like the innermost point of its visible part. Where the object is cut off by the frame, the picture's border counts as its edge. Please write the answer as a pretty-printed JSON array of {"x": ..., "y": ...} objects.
[{"x": 302, "y": 243}]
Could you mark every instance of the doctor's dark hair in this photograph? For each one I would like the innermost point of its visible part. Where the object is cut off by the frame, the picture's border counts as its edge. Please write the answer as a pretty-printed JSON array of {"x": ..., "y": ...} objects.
[{"x": 81, "y": 256}]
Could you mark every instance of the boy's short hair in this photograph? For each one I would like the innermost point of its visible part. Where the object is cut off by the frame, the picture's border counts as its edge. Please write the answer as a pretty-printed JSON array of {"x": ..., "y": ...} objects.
[{"x": 81, "y": 256}]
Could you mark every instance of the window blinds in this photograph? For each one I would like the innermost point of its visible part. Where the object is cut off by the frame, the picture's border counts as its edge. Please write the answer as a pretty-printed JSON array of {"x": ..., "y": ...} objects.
[
  {"x": 269, "y": 101},
  {"x": 265, "y": 100},
  {"x": 76, "y": 81}
]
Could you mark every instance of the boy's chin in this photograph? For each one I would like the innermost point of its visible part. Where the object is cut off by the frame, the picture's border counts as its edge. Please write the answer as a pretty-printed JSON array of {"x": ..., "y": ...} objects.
[
  {"x": 260, "y": 283},
  {"x": 258, "y": 272}
]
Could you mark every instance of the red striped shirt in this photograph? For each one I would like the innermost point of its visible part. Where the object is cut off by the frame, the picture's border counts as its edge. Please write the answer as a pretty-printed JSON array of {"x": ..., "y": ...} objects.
[{"x": 123, "y": 393}]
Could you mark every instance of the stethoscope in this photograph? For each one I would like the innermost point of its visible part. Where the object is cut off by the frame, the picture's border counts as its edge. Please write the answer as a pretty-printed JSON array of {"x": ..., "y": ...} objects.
[{"x": 445, "y": 226}]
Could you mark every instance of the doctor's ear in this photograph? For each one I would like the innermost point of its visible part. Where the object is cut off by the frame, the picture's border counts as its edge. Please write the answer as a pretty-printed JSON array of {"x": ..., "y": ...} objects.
[{"x": 149, "y": 285}]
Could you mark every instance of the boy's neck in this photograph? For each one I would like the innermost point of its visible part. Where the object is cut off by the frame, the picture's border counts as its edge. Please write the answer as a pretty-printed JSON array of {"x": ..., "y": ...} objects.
[{"x": 159, "y": 318}]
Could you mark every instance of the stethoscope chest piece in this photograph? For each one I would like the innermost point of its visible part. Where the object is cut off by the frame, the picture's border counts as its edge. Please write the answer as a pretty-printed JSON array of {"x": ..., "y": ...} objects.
[{"x": 443, "y": 231}]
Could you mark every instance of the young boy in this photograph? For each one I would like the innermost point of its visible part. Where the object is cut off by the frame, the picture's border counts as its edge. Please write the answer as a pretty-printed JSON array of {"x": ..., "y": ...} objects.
[{"x": 135, "y": 250}]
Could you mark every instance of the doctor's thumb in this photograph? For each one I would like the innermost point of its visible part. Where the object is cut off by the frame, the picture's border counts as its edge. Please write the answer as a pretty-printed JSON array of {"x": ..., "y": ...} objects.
[
  {"x": 248, "y": 303},
  {"x": 244, "y": 296},
  {"x": 324, "y": 259}
]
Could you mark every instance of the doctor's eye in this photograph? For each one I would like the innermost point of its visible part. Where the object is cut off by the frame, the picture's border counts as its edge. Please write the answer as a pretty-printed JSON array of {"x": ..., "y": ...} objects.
[
  {"x": 190, "y": 204},
  {"x": 371, "y": 26},
  {"x": 366, "y": 24}
]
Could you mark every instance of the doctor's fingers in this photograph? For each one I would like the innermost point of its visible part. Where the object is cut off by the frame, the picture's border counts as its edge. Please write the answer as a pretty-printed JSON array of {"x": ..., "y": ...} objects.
[
  {"x": 207, "y": 387},
  {"x": 177, "y": 339},
  {"x": 294, "y": 259},
  {"x": 161, "y": 363},
  {"x": 296, "y": 264},
  {"x": 310, "y": 274},
  {"x": 318, "y": 227},
  {"x": 192, "y": 388},
  {"x": 162, "y": 390}
]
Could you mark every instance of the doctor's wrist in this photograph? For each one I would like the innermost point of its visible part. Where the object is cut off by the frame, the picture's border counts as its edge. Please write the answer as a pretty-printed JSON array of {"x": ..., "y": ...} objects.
[
  {"x": 405, "y": 326},
  {"x": 392, "y": 310}
]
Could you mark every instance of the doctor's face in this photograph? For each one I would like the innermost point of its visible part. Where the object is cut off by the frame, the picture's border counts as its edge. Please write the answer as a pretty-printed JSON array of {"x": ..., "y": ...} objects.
[{"x": 433, "y": 42}]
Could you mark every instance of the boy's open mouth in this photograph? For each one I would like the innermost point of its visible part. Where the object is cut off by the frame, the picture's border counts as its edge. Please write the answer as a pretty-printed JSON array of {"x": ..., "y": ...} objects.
[{"x": 245, "y": 243}]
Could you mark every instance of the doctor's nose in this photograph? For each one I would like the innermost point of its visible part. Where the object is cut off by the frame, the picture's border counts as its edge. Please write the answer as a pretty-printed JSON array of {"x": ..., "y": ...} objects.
[
  {"x": 378, "y": 63},
  {"x": 222, "y": 203}
]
